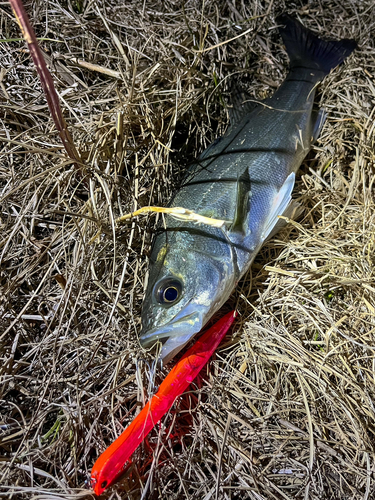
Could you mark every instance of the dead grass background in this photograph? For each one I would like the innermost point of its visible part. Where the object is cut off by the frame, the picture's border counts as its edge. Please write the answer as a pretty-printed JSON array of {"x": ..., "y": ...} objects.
[{"x": 286, "y": 408}]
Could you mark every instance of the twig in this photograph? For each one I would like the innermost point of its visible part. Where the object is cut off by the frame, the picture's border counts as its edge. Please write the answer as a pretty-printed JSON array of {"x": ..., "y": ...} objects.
[{"x": 45, "y": 80}]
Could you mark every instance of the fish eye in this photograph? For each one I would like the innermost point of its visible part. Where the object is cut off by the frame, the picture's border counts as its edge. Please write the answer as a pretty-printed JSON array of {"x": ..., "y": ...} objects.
[{"x": 169, "y": 291}]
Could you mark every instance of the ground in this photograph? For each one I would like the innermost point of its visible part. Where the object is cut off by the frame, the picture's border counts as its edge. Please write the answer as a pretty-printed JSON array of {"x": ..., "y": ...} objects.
[{"x": 285, "y": 409}]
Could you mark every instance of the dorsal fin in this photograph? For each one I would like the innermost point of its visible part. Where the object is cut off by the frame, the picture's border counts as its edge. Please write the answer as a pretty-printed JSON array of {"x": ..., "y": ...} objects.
[
  {"x": 209, "y": 150},
  {"x": 240, "y": 103}
]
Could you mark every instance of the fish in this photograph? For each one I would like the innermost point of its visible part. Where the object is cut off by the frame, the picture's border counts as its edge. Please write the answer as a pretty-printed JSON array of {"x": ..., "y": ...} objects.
[{"x": 244, "y": 178}]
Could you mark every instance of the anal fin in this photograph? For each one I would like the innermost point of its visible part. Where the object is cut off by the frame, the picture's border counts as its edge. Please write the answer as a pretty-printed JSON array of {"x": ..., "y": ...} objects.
[{"x": 318, "y": 120}]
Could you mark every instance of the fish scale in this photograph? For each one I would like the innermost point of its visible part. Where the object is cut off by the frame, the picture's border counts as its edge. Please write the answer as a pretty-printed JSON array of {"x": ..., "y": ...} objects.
[
  {"x": 245, "y": 178},
  {"x": 258, "y": 160}
]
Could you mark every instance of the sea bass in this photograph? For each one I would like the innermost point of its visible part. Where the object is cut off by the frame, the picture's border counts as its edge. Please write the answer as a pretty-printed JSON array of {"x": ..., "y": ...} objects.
[{"x": 245, "y": 178}]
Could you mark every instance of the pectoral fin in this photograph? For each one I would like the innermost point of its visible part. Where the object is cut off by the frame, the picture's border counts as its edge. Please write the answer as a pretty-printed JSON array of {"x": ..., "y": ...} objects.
[
  {"x": 279, "y": 205},
  {"x": 242, "y": 203}
]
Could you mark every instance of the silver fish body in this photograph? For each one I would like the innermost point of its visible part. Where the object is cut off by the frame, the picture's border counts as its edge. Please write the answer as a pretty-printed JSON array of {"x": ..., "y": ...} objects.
[{"x": 245, "y": 178}]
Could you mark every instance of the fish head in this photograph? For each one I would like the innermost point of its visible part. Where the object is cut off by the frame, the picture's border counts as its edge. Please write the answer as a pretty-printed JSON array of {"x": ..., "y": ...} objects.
[{"x": 187, "y": 284}]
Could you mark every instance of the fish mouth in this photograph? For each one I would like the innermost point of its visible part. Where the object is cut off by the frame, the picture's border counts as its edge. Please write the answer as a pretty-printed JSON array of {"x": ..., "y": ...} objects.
[{"x": 173, "y": 336}]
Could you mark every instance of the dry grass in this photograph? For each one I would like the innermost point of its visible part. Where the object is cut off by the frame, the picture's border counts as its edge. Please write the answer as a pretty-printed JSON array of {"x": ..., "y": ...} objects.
[{"x": 286, "y": 409}]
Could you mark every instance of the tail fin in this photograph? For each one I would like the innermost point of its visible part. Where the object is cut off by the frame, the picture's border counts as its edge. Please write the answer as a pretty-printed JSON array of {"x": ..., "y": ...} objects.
[{"x": 306, "y": 50}]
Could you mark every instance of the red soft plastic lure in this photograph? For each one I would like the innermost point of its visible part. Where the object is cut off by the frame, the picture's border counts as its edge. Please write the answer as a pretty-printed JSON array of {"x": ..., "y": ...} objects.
[{"x": 112, "y": 462}]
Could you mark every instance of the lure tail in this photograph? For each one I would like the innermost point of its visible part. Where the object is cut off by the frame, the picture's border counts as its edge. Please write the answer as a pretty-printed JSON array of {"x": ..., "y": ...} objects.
[
  {"x": 307, "y": 51},
  {"x": 112, "y": 462}
]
